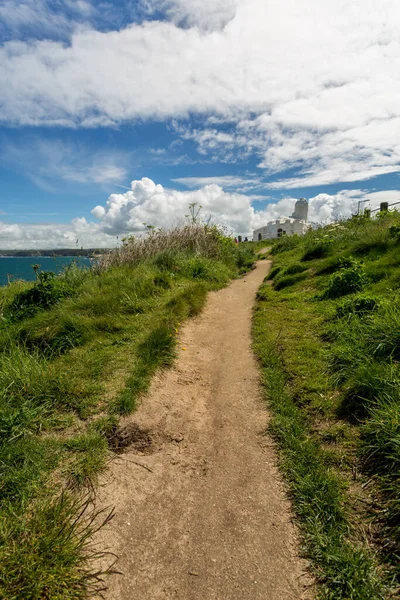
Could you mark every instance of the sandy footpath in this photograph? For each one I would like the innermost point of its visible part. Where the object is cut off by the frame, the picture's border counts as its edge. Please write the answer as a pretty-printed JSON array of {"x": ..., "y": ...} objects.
[{"x": 211, "y": 519}]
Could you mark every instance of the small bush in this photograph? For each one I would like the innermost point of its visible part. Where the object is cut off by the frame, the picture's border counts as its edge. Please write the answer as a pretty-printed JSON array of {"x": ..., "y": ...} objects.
[
  {"x": 346, "y": 281},
  {"x": 206, "y": 269},
  {"x": 334, "y": 264},
  {"x": 46, "y": 292},
  {"x": 244, "y": 258},
  {"x": 167, "y": 261}
]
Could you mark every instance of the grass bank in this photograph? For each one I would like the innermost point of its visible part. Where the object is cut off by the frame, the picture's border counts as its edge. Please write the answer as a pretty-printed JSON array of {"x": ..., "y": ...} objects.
[
  {"x": 327, "y": 337},
  {"x": 76, "y": 352}
]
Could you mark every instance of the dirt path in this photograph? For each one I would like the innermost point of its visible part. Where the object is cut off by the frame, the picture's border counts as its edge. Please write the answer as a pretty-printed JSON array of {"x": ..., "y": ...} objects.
[{"x": 211, "y": 520}]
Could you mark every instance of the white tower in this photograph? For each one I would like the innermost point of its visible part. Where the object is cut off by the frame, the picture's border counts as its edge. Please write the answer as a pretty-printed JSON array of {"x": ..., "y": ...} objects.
[{"x": 301, "y": 210}]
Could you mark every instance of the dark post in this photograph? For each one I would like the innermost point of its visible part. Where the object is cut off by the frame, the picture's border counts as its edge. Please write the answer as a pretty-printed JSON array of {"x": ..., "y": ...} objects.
[
  {"x": 239, "y": 239},
  {"x": 384, "y": 207}
]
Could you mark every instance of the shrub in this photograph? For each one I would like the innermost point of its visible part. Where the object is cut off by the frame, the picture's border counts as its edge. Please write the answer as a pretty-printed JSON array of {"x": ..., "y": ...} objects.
[
  {"x": 167, "y": 261},
  {"x": 359, "y": 306},
  {"x": 244, "y": 258},
  {"x": 346, "y": 281},
  {"x": 46, "y": 292},
  {"x": 333, "y": 264}
]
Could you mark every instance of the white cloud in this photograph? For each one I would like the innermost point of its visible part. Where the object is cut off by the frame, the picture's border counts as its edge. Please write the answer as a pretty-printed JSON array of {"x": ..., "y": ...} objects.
[
  {"x": 147, "y": 202},
  {"x": 53, "y": 235},
  {"x": 323, "y": 78},
  {"x": 150, "y": 203}
]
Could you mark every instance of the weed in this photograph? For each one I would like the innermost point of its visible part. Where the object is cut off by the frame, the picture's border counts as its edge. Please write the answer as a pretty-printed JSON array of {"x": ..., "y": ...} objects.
[
  {"x": 46, "y": 292},
  {"x": 346, "y": 281}
]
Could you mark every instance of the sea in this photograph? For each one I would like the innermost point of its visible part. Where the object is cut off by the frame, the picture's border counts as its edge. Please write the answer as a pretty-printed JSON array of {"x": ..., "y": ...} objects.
[{"x": 20, "y": 267}]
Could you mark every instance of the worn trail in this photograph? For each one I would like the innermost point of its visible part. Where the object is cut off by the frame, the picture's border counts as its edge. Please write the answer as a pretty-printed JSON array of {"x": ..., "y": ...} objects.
[{"x": 211, "y": 519}]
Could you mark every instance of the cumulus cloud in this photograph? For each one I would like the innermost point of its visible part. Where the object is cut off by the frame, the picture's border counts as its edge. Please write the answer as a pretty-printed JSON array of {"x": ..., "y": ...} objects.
[
  {"x": 310, "y": 85},
  {"x": 149, "y": 203}
]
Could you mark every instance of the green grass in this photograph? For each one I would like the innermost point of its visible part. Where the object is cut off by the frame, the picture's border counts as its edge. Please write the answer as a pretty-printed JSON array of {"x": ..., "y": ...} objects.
[
  {"x": 329, "y": 348},
  {"x": 76, "y": 352}
]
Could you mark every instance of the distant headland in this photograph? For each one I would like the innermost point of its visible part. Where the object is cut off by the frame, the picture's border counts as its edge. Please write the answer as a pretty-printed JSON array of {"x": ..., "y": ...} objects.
[{"x": 88, "y": 252}]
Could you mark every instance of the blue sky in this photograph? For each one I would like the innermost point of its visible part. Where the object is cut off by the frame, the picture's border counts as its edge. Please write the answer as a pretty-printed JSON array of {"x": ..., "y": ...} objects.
[{"x": 240, "y": 105}]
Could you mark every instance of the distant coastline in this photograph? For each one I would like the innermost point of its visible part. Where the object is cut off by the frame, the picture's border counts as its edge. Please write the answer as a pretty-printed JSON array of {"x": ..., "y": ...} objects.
[{"x": 88, "y": 252}]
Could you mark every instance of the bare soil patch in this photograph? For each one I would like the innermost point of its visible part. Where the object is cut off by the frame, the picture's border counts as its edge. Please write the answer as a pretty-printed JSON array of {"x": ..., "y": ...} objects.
[
  {"x": 131, "y": 436},
  {"x": 210, "y": 520}
]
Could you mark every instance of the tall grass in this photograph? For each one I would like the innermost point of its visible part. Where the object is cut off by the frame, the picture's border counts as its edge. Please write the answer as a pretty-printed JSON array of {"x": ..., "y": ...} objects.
[{"x": 194, "y": 239}]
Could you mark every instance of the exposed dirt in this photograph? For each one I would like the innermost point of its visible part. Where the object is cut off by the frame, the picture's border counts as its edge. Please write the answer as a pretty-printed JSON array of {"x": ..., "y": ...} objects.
[{"x": 211, "y": 519}]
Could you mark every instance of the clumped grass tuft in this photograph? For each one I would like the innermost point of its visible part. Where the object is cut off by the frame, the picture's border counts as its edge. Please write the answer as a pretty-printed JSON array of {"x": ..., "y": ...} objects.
[
  {"x": 283, "y": 281},
  {"x": 273, "y": 273},
  {"x": 47, "y": 552},
  {"x": 285, "y": 243},
  {"x": 89, "y": 458},
  {"x": 380, "y": 436},
  {"x": 317, "y": 250},
  {"x": 358, "y": 306}
]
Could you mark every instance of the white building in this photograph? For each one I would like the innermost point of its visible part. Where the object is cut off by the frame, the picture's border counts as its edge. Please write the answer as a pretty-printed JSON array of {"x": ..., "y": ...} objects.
[{"x": 295, "y": 224}]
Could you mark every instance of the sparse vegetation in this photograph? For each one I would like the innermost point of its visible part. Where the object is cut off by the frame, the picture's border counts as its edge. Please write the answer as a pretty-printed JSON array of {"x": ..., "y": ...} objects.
[
  {"x": 329, "y": 347},
  {"x": 76, "y": 352}
]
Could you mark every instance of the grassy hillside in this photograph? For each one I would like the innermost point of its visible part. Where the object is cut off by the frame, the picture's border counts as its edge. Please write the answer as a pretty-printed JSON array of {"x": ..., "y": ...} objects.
[
  {"x": 327, "y": 334},
  {"x": 76, "y": 352}
]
